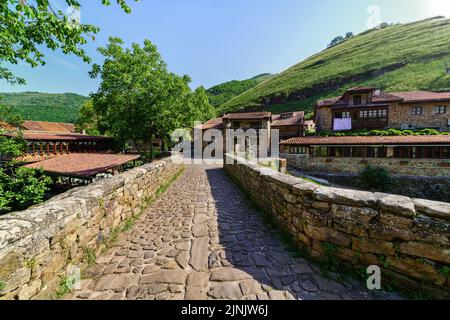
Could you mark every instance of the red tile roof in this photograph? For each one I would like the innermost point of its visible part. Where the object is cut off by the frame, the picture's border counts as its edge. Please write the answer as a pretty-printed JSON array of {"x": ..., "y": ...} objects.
[
  {"x": 403, "y": 97},
  {"x": 422, "y": 96},
  {"x": 32, "y": 158},
  {"x": 83, "y": 165},
  {"x": 54, "y": 127},
  {"x": 42, "y": 136},
  {"x": 295, "y": 120},
  {"x": 248, "y": 116},
  {"x": 369, "y": 140},
  {"x": 212, "y": 124}
]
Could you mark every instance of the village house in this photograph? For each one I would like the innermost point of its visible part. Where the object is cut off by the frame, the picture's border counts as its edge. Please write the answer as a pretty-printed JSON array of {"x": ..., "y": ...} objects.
[
  {"x": 403, "y": 155},
  {"x": 289, "y": 124},
  {"x": 370, "y": 108}
]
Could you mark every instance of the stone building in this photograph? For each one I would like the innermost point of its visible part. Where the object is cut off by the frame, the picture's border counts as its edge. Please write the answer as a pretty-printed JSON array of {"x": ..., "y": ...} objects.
[
  {"x": 402, "y": 155},
  {"x": 370, "y": 108}
]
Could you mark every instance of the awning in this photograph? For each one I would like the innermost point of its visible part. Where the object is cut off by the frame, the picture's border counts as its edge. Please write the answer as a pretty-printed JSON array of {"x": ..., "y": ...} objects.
[{"x": 82, "y": 165}]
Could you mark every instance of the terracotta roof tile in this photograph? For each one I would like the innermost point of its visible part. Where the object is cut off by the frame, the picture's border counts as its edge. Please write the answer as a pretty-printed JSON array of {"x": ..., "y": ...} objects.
[
  {"x": 32, "y": 158},
  {"x": 83, "y": 165},
  {"x": 211, "y": 124},
  {"x": 422, "y": 96},
  {"x": 248, "y": 116},
  {"x": 42, "y": 136},
  {"x": 296, "y": 119},
  {"x": 369, "y": 140},
  {"x": 54, "y": 127}
]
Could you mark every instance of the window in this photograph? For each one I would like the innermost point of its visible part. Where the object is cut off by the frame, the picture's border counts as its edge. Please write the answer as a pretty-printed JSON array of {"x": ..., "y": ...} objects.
[
  {"x": 416, "y": 111},
  {"x": 345, "y": 114},
  {"x": 357, "y": 100},
  {"x": 298, "y": 150},
  {"x": 440, "y": 110}
]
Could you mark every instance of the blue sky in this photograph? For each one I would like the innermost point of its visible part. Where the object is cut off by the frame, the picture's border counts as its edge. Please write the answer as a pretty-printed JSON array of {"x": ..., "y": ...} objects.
[{"x": 215, "y": 41}]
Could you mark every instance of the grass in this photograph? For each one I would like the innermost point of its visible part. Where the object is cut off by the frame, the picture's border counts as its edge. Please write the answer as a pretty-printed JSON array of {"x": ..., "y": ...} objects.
[
  {"x": 89, "y": 256},
  {"x": 421, "y": 48},
  {"x": 2, "y": 285}
]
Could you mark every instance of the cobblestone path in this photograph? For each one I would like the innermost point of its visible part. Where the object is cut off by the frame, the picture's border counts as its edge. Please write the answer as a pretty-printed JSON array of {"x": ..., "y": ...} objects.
[{"x": 202, "y": 240}]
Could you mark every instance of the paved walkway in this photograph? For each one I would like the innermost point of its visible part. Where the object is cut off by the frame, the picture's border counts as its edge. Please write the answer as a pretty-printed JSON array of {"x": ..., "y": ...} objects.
[{"x": 201, "y": 240}]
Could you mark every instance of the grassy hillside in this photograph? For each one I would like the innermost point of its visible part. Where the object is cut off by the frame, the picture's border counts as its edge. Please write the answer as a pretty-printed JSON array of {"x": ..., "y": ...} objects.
[
  {"x": 395, "y": 58},
  {"x": 222, "y": 93},
  {"x": 45, "y": 106}
]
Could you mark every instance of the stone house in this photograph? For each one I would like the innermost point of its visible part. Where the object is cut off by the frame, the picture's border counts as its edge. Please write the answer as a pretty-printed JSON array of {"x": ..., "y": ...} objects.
[
  {"x": 402, "y": 155},
  {"x": 369, "y": 108}
]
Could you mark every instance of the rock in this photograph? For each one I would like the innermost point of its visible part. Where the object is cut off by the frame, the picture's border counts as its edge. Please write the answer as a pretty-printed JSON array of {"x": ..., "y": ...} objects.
[
  {"x": 427, "y": 251},
  {"x": 199, "y": 254},
  {"x": 29, "y": 291},
  {"x": 228, "y": 274},
  {"x": 360, "y": 215},
  {"x": 345, "y": 196},
  {"x": 434, "y": 209},
  {"x": 200, "y": 230},
  {"x": 197, "y": 286},
  {"x": 309, "y": 286},
  {"x": 165, "y": 276},
  {"x": 213, "y": 261},
  {"x": 373, "y": 246},
  {"x": 228, "y": 291},
  {"x": 260, "y": 260},
  {"x": 249, "y": 287},
  {"x": 115, "y": 282},
  {"x": 397, "y": 205}
]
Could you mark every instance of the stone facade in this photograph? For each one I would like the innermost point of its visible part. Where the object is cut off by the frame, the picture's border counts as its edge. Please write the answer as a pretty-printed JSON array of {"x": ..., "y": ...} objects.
[
  {"x": 407, "y": 238},
  {"x": 395, "y": 166},
  {"x": 39, "y": 246},
  {"x": 401, "y": 116}
]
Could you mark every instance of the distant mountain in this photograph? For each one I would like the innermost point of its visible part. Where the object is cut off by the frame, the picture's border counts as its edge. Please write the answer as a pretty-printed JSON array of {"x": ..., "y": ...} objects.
[
  {"x": 221, "y": 93},
  {"x": 401, "y": 57},
  {"x": 45, "y": 106}
]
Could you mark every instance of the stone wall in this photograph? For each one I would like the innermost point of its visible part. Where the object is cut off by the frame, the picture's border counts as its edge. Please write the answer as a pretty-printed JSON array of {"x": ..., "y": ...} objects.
[
  {"x": 395, "y": 166},
  {"x": 40, "y": 246},
  {"x": 407, "y": 238}
]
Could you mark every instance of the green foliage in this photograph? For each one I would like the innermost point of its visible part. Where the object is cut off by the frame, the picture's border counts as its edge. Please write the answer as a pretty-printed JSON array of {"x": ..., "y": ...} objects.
[
  {"x": 139, "y": 99},
  {"x": 45, "y": 106},
  {"x": 375, "y": 177},
  {"x": 421, "y": 47},
  {"x": 221, "y": 93},
  {"x": 21, "y": 187},
  {"x": 89, "y": 256},
  {"x": 87, "y": 119},
  {"x": 27, "y": 26},
  {"x": 64, "y": 287},
  {"x": 388, "y": 132},
  {"x": 2, "y": 285},
  {"x": 445, "y": 271}
]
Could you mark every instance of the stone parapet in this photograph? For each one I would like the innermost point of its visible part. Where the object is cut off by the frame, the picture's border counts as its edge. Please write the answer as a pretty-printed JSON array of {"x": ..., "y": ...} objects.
[
  {"x": 407, "y": 238},
  {"x": 44, "y": 245}
]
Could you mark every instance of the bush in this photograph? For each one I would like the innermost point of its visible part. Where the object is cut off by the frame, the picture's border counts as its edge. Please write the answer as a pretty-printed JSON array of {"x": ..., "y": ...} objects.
[
  {"x": 21, "y": 188},
  {"x": 375, "y": 177}
]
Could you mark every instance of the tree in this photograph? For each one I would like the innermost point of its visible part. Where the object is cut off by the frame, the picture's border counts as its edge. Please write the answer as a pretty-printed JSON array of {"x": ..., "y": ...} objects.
[
  {"x": 10, "y": 147},
  {"x": 19, "y": 187},
  {"x": 27, "y": 25},
  {"x": 138, "y": 99},
  {"x": 87, "y": 119}
]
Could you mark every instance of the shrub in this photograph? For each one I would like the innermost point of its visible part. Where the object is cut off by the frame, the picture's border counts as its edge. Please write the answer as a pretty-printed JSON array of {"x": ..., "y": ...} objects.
[
  {"x": 21, "y": 187},
  {"x": 375, "y": 177}
]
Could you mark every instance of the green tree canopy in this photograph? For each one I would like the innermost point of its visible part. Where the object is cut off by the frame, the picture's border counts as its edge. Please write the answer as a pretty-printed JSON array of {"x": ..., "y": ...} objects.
[
  {"x": 139, "y": 99},
  {"x": 27, "y": 25}
]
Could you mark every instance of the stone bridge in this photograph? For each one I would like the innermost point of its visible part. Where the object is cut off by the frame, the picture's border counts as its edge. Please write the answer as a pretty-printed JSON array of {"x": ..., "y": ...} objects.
[{"x": 202, "y": 239}]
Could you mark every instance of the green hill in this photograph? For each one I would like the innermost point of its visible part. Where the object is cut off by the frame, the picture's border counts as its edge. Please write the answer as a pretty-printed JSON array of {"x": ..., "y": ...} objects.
[
  {"x": 45, "y": 106},
  {"x": 398, "y": 57},
  {"x": 222, "y": 93}
]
